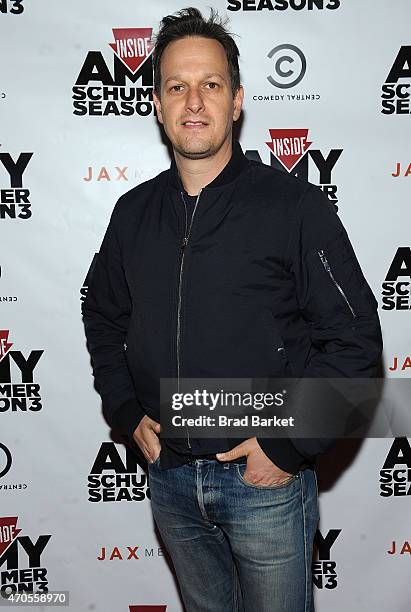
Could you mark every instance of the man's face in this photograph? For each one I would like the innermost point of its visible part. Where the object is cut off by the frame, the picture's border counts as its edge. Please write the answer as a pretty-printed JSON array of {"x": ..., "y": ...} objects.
[{"x": 196, "y": 106}]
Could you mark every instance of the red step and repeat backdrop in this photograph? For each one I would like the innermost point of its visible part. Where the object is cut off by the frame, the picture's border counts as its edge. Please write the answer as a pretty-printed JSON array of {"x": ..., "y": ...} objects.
[{"x": 78, "y": 129}]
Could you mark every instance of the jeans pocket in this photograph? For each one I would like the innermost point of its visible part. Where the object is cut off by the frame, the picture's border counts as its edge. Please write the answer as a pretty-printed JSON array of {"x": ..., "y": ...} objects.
[
  {"x": 155, "y": 462},
  {"x": 240, "y": 469}
]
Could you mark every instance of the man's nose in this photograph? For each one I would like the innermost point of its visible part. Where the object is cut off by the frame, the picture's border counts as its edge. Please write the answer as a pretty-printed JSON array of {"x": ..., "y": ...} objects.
[{"x": 194, "y": 101}]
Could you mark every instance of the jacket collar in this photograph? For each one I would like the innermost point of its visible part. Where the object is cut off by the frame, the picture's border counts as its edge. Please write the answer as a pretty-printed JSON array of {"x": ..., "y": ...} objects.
[{"x": 236, "y": 165}]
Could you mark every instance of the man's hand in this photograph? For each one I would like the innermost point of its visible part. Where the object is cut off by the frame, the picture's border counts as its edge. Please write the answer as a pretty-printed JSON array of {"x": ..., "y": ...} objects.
[
  {"x": 146, "y": 436},
  {"x": 260, "y": 469}
]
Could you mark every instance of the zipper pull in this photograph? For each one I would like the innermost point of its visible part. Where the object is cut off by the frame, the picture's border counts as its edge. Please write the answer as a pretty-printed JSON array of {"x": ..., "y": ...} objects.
[
  {"x": 324, "y": 260},
  {"x": 184, "y": 243}
]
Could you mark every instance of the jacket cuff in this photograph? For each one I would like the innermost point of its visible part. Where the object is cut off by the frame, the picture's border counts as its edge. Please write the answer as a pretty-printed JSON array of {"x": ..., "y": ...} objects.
[
  {"x": 127, "y": 417},
  {"x": 283, "y": 453}
]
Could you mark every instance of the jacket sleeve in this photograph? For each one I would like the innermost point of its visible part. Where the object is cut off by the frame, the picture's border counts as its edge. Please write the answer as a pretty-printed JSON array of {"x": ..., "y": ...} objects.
[
  {"x": 106, "y": 314},
  {"x": 341, "y": 311}
]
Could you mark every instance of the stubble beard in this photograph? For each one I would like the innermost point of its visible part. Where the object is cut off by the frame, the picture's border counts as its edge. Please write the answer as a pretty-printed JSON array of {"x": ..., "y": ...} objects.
[{"x": 198, "y": 150}]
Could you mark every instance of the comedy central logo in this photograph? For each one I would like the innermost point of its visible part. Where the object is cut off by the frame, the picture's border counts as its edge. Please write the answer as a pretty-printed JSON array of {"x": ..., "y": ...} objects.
[
  {"x": 288, "y": 65},
  {"x": 291, "y": 151},
  {"x": 22, "y": 558},
  {"x": 18, "y": 391},
  {"x": 14, "y": 199},
  {"x": 285, "y": 57},
  {"x": 6, "y": 462},
  {"x": 103, "y": 91}
]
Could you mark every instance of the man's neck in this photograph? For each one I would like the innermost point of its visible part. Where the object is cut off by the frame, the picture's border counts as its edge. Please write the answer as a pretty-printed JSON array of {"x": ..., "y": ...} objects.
[{"x": 197, "y": 173}]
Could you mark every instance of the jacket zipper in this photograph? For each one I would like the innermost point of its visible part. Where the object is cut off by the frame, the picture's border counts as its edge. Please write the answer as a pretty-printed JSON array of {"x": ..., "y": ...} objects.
[
  {"x": 327, "y": 267},
  {"x": 187, "y": 232}
]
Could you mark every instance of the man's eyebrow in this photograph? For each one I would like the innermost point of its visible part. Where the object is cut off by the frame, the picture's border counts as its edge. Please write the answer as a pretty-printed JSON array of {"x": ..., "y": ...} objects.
[
  {"x": 214, "y": 74},
  {"x": 178, "y": 77}
]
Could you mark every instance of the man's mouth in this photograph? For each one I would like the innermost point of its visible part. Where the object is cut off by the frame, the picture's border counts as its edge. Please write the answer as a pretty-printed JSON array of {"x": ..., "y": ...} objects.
[{"x": 193, "y": 124}]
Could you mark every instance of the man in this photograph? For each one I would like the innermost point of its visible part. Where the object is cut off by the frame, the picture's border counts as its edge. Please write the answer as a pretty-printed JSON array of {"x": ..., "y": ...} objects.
[{"x": 223, "y": 267}]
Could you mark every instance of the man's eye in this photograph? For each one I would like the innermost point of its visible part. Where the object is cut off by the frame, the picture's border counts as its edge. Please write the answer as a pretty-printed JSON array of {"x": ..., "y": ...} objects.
[
  {"x": 212, "y": 85},
  {"x": 176, "y": 87}
]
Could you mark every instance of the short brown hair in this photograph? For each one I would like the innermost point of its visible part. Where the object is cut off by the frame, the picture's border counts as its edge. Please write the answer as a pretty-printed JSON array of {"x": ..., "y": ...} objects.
[{"x": 190, "y": 22}]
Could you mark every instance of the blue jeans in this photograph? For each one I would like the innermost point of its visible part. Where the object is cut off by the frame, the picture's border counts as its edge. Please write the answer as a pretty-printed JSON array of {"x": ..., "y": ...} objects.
[{"x": 237, "y": 546}]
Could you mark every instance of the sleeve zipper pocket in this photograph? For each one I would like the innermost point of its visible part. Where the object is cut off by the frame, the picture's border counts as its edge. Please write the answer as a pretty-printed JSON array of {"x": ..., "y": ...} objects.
[{"x": 327, "y": 268}]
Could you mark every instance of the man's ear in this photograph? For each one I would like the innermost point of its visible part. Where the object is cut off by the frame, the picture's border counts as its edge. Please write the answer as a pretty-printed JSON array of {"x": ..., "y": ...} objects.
[
  {"x": 157, "y": 104},
  {"x": 238, "y": 102}
]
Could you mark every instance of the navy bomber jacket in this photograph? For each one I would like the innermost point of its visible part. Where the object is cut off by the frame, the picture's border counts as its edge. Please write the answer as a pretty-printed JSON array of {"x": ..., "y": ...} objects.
[{"x": 262, "y": 281}]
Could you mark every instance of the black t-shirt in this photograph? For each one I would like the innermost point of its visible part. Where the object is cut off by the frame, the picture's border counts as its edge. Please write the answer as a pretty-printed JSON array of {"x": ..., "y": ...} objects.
[{"x": 191, "y": 202}]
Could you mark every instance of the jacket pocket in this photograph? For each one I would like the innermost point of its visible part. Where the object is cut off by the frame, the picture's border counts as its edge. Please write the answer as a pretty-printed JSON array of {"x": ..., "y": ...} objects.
[{"x": 276, "y": 342}]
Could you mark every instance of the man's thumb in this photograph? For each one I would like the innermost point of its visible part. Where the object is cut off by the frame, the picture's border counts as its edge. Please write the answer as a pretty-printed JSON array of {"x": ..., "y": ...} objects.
[
  {"x": 156, "y": 427},
  {"x": 234, "y": 453}
]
